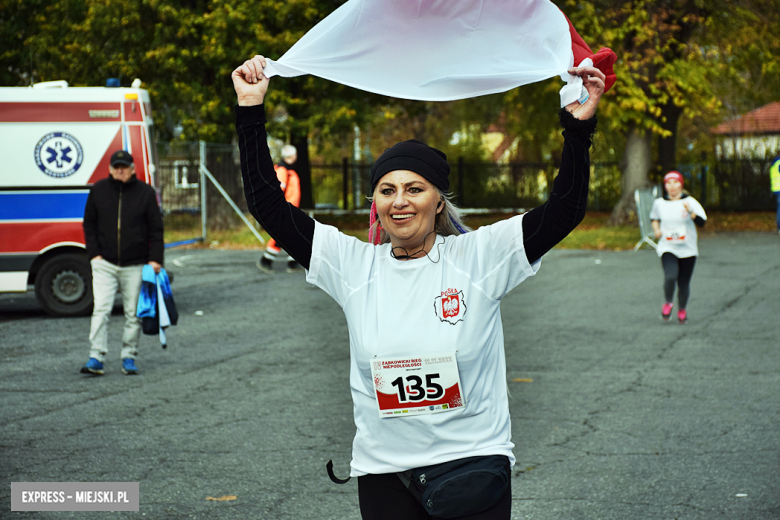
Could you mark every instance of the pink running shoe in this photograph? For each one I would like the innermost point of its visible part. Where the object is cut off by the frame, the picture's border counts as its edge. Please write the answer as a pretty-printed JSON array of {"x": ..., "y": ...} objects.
[
  {"x": 666, "y": 311},
  {"x": 682, "y": 316}
]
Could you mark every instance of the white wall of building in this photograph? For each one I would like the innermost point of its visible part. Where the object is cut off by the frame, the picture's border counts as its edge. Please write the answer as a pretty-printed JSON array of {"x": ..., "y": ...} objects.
[{"x": 748, "y": 147}]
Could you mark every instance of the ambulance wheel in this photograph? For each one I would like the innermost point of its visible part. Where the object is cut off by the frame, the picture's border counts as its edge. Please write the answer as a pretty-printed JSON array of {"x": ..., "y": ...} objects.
[{"x": 63, "y": 286}]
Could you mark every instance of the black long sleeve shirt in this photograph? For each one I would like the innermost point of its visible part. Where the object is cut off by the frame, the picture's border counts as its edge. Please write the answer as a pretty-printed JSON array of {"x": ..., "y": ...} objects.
[{"x": 543, "y": 226}]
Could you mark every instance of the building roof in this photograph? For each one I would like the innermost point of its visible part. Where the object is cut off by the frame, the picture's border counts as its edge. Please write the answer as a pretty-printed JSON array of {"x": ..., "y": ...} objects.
[{"x": 764, "y": 120}]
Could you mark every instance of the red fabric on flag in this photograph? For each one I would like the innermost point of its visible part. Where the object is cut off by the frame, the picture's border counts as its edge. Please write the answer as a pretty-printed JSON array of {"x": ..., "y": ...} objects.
[{"x": 602, "y": 60}]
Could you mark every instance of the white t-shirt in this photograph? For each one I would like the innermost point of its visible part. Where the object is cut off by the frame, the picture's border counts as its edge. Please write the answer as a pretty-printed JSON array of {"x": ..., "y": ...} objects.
[
  {"x": 391, "y": 311},
  {"x": 679, "y": 231}
]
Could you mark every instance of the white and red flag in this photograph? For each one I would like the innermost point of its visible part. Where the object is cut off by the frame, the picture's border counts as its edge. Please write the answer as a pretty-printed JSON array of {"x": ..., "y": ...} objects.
[{"x": 441, "y": 50}]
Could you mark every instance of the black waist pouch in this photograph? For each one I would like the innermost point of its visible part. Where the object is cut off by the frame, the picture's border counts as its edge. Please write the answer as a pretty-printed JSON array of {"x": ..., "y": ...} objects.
[{"x": 460, "y": 487}]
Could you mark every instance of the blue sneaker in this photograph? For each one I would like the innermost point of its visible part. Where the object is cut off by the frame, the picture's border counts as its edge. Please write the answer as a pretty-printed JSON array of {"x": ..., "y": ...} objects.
[
  {"x": 128, "y": 367},
  {"x": 93, "y": 366}
]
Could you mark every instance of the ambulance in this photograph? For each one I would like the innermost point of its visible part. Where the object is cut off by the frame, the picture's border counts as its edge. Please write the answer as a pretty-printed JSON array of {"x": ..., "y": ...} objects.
[{"x": 55, "y": 142}]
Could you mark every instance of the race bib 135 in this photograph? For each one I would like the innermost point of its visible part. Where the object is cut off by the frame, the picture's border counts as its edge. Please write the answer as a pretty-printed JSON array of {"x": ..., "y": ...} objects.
[{"x": 417, "y": 385}]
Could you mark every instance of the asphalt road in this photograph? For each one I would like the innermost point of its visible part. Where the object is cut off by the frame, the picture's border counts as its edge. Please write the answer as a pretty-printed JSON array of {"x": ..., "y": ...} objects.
[{"x": 624, "y": 417}]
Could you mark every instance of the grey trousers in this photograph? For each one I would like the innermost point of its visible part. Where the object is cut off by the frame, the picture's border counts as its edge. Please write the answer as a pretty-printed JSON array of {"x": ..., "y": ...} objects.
[{"x": 107, "y": 278}]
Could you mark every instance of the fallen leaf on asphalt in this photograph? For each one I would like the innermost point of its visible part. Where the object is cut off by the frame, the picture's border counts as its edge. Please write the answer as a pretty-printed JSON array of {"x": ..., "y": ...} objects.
[{"x": 223, "y": 498}]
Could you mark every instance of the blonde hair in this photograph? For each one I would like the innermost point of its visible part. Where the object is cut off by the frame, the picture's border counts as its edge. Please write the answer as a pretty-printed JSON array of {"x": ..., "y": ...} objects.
[{"x": 449, "y": 221}]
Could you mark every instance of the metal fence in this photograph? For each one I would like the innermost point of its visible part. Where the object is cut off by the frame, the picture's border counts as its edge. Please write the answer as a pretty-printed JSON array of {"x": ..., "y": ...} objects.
[
  {"x": 181, "y": 189},
  {"x": 192, "y": 207},
  {"x": 474, "y": 184},
  {"x": 196, "y": 180},
  {"x": 743, "y": 185},
  {"x": 730, "y": 184}
]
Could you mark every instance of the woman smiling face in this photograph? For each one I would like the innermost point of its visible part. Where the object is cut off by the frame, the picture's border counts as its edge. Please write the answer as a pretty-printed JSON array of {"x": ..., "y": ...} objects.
[{"x": 407, "y": 205}]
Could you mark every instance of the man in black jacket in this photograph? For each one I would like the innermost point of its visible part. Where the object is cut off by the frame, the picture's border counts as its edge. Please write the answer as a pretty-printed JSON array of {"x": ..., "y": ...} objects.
[{"x": 123, "y": 230}]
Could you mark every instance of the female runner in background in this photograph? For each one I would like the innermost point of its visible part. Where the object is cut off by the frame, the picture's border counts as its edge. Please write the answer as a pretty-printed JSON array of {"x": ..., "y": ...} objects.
[{"x": 674, "y": 219}]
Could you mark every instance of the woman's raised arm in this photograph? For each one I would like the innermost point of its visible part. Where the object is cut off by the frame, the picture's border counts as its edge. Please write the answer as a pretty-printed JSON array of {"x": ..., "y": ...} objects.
[
  {"x": 289, "y": 226},
  {"x": 548, "y": 224}
]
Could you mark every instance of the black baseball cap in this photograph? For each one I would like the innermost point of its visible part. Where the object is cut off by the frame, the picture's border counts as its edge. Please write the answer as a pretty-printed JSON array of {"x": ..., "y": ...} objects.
[{"x": 121, "y": 157}]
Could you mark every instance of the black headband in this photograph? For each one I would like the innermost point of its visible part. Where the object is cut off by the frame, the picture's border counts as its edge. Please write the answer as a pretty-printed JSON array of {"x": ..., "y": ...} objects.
[{"x": 414, "y": 156}]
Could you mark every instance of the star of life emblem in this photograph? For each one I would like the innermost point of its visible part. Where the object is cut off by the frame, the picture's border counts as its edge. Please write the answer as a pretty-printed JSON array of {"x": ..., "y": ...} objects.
[
  {"x": 58, "y": 154},
  {"x": 450, "y": 306}
]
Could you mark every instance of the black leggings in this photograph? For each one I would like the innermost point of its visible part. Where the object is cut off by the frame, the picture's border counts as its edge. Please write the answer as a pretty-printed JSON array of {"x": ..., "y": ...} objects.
[
  {"x": 677, "y": 271},
  {"x": 384, "y": 497}
]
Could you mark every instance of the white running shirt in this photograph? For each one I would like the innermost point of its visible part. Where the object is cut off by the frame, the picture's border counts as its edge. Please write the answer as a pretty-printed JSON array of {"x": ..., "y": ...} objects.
[
  {"x": 391, "y": 311},
  {"x": 679, "y": 231}
]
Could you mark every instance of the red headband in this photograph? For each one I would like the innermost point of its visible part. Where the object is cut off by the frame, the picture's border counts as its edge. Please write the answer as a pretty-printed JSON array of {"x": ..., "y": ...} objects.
[{"x": 674, "y": 175}]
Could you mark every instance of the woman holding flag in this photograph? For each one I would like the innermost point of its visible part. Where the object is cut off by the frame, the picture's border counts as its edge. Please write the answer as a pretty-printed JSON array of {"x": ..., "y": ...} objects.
[
  {"x": 391, "y": 293},
  {"x": 422, "y": 302}
]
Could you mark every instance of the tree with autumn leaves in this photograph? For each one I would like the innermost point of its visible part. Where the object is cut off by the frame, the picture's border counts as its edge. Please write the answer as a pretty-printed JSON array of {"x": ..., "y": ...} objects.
[
  {"x": 681, "y": 61},
  {"x": 184, "y": 52},
  {"x": 684, "y": 65}
]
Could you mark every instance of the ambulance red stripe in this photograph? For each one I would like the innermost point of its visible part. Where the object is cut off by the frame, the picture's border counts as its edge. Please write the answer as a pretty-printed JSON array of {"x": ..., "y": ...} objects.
[
  {"x": 133, "y": 111},
  {"x": 138, "y": 151},
  {"x": 56, "y": 112},
  {"x": 33, "y": 237}
]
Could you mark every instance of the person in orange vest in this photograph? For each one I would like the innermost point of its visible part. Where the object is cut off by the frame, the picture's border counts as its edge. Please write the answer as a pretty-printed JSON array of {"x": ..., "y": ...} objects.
[{"x": 291, "y": 186}]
